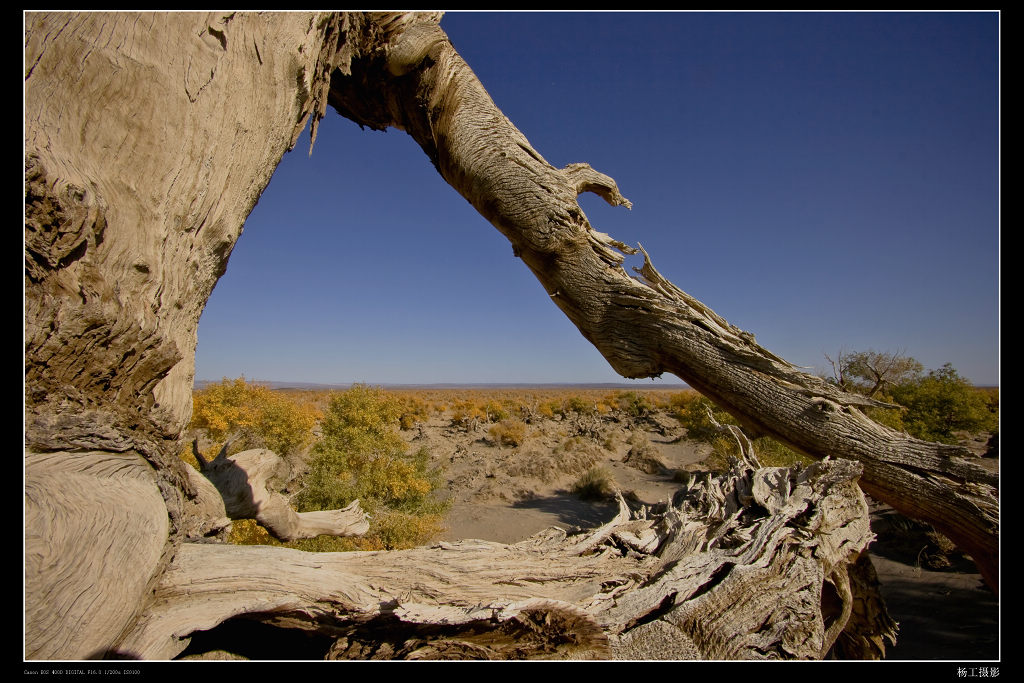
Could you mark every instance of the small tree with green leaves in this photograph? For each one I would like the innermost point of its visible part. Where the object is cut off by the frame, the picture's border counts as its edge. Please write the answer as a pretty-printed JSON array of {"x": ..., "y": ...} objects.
[
  {"x": 933, "y": 406},
  {"x": 873, "y": 372}
]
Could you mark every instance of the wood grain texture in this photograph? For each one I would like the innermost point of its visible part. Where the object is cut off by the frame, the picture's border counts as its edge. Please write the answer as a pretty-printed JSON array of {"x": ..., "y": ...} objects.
[
  {"x": 733, "y": 579},
  {"x": 148, "y": 139},
  {"x": 95, "y": 532}
]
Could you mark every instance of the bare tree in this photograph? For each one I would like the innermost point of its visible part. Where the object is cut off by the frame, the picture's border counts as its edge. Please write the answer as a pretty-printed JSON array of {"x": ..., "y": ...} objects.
[
  {"x": 149, "y": 138},
  {"x": 871, "y": 372}
]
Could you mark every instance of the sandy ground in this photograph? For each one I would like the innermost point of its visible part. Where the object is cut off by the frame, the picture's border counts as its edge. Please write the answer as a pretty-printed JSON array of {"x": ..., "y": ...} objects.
[{"x": 506, "y": 493}]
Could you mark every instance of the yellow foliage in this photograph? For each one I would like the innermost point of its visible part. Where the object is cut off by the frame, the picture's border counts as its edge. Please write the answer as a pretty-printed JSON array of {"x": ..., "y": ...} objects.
[
  {"x": 186, "y": 454},
  {"x": 264, "y": 417},
  {"x": 508, "y": 432},
  {"x": 249, "y": 532}
]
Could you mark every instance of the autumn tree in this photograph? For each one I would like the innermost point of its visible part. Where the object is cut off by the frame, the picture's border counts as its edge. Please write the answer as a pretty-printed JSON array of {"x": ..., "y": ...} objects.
[
  {"x": 251, "y": 415},
  {"x": 360, "y": 456}
]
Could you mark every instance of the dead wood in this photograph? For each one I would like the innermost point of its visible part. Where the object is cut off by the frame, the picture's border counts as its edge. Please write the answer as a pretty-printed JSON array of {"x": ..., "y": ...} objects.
[
  {"x": 243, "y": 482},
  {"x": 737, "y": 566},
  {"x": 149, "y": 138}
]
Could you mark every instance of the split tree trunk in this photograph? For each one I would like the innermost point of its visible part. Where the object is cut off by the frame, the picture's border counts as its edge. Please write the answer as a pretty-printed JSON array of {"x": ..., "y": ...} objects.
[{"x": 149, "y": 138}]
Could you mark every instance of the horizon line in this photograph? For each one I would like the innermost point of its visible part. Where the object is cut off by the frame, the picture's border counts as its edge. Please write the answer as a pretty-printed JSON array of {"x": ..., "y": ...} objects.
[{"x": 277, "y": 384}]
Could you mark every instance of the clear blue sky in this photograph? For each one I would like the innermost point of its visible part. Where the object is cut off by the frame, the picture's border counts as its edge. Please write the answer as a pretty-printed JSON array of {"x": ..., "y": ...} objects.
[{"x": 823, "y": 180}]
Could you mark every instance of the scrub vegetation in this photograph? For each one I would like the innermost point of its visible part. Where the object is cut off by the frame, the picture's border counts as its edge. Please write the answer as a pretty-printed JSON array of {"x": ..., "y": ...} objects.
[{"x": 355, "y": 444}]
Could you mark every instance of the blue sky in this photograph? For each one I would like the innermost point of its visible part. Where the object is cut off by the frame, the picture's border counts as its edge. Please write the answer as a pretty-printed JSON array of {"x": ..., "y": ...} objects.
[{"x": 826, "y": 181}]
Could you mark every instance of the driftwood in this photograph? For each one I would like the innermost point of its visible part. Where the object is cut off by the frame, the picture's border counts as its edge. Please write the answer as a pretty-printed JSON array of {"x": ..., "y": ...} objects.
[
  {"x": 243, "y": 483},
  {"x": 149, "y": 138}
]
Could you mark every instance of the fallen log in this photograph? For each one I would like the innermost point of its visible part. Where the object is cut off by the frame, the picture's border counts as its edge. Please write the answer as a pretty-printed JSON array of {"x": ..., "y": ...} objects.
[{"x": 752, "y": 564}]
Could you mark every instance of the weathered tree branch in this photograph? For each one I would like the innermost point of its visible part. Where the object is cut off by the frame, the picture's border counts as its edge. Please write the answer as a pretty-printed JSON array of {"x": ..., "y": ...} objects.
[
  {"x": 243, "y": 481},
  {"x": 645, "y": 326}
]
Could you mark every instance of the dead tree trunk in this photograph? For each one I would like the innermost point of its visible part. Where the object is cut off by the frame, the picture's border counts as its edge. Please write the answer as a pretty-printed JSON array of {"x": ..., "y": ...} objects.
[{"x": 149, "y": 138}]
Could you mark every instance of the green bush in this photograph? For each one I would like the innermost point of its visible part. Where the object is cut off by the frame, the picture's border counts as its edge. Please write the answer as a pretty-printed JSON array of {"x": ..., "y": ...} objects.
[
  {"x": 594, "y": 484},
  {"x": 362, "y": 456},
  {"x": 941, "y": 403},
  {"x": 693, "y": 415}
]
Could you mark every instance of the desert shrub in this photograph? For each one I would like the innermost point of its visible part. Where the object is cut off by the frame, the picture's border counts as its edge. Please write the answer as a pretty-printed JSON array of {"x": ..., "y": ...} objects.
[
  {"x": 693, "y": 415},
  {"x": 571, "y": 444},
  {"x": 254, "y": 415},
  {"x": 646, "y": 458},
  {"x": 722, "y": 449},
  {"x": 361, "y": 456},
  {"x": 637, "y": 438},
  {"x": 771, "y": 453},
  {"x": 578, "y": 404},
  {"x": 413, "y": 409},
  {"x": 941, "y": 403},
  {"x": 467, "y": 411},
  {"x": 508, "y": 432},
  {"x": 594, "y": 484},
  {"x": 681, "y": 399},
  {"x": 495, "y": 411},
  {"x": 633, "y": 403}
]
